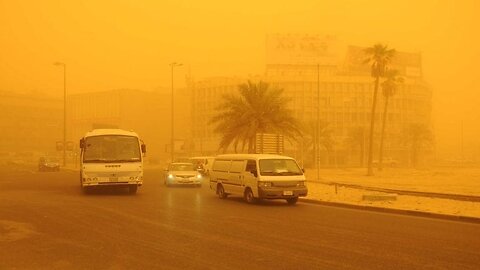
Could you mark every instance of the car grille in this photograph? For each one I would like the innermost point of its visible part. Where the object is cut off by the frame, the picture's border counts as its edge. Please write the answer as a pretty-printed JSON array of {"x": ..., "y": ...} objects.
[{"x": 185, "y": 176}]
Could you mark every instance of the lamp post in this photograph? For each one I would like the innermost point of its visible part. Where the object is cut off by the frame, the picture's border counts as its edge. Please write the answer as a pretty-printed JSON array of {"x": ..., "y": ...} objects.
[
  {"x": 317, "y": 161},
  {"x": 172, "y": 142},
  {"x": 64, "y": 109}
]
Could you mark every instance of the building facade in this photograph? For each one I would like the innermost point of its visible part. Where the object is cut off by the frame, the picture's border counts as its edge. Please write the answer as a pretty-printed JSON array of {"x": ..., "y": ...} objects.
[
  {"x": 326, "y": 83},
  {"x": 30, "y": 124}
]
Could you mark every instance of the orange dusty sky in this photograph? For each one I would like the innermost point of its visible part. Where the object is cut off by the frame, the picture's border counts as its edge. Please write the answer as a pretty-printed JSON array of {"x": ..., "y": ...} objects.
[{"x": 129, "y": 44}]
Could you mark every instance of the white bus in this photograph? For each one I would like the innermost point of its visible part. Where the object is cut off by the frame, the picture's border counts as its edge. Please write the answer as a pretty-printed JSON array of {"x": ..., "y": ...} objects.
[
  {"x": 258, "y": 176},
  {"x": 111, "y": 157}
]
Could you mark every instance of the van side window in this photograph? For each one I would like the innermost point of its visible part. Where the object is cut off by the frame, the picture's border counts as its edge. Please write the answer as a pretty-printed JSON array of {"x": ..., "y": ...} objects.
[
  {"x": 237, "y": 166},
  {"x": 251, "y": 166},
  {"x": 221, "y": 165}
]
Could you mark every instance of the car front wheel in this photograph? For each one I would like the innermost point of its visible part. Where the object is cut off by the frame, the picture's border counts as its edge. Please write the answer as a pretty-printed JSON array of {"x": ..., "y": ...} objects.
[{"x": 292, "y": 201}]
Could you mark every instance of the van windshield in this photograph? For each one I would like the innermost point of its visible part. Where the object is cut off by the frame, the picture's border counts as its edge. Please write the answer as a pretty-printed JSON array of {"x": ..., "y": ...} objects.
[
  {"x": 111, "y": 148},
  {"x": 279, "y": 167}
]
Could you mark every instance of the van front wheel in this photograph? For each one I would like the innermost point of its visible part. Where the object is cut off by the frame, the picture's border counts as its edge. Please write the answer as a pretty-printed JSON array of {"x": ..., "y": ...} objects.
[
  {"x": 221, "y": 192},
  {"x": 248, "y": 196}
]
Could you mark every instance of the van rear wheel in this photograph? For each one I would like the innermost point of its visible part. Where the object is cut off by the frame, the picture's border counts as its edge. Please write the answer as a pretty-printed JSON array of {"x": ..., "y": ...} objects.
[{"x": 221, "y": 192}]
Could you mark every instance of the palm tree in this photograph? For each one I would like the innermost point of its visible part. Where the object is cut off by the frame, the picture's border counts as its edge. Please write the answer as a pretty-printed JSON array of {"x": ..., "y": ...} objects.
[
  {"x": 378, "y": 56},
  {"x": 258, "y": 109},
  {"x": 313, "y": 135},
  {"x": 356, "y": 138},
  {"x": 389, "y": 87},
  {"x": 417, "y": 137}
]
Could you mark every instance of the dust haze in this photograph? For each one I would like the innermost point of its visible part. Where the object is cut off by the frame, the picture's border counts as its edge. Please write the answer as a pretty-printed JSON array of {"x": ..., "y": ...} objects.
[{"x": 118, "y": 57}]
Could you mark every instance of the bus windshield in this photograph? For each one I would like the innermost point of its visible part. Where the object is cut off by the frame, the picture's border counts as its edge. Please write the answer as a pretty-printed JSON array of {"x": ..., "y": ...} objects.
[{"x": 111, "y": 148}]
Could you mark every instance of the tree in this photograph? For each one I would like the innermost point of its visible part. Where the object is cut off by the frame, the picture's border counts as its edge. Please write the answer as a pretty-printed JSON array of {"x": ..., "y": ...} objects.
[
  {"x": 389, "y": 87},
  {"x": 356, "y": 138},
  {"x": 322, "y": 134},
  {"x": 257, "y": 109},
  {"x": 378, "y": 56},
  {"x": 416, "y": 137}
]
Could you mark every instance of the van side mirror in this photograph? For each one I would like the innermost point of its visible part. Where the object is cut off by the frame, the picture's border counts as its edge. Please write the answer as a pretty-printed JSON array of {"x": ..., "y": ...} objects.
[
  {"x": 254, "y": 172},
  {"x": 144, "y": 148},
  {"x": 82, "y": 143}
]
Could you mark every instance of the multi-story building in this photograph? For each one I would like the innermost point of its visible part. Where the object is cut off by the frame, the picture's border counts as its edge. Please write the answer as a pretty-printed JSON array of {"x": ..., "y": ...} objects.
[
  {"x": 30, "y": 123},
  {"x": 326, "y": 82}
]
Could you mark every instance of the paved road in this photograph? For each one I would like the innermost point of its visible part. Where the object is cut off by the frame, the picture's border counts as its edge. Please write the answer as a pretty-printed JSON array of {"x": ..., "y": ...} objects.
[{"x": 47, "y": 223}]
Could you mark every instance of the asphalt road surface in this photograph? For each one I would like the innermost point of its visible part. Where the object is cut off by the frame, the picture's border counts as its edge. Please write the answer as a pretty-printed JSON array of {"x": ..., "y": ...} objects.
[{"x": 47, "y": 223}]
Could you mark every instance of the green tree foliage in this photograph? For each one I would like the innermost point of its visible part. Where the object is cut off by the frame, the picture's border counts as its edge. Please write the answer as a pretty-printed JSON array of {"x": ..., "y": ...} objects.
[{"x": 257, "y": 109}]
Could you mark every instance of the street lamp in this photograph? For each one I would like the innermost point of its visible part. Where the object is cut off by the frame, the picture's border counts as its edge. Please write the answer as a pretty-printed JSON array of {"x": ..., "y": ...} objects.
[
  {"x": 172, "y": 142},
  {"x": 64, "y": 108},
  {"x": 317, "y": 154}
]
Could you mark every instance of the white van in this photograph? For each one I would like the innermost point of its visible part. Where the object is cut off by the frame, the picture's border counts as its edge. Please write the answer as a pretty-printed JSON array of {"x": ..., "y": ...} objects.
[
  {"x": 258, "y": 176},
  {"x": 111, "y": 157}
]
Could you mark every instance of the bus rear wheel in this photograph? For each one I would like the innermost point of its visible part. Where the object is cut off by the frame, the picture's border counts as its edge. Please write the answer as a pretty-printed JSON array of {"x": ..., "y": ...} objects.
[{"x": 85, "y": 189}]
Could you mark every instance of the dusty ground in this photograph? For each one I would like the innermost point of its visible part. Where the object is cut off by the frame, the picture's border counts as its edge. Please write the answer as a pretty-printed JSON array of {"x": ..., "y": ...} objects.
[{"x": 442, "y": 180}]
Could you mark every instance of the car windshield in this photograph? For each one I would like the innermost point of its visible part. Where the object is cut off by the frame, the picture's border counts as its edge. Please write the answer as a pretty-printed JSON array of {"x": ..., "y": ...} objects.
[
  {"x": 111, "y": 148},
  {"x": 51, "y": 159},
  {"x": 182, "y": 167},
  {"x": 279, "y": 167}
]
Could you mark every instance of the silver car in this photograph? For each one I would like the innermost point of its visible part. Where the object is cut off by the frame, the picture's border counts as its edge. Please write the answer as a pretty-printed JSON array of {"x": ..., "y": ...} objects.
[{"x": 182, "y": 173}]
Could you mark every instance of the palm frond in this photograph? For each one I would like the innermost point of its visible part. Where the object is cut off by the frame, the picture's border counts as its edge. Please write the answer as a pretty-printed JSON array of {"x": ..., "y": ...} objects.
[{"x": 257, "y": 109}]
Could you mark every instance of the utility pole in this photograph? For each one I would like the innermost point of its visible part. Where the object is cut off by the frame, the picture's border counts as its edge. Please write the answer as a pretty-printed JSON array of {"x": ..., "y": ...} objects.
[
  {"x": 64, "y": 110},
  {"x": 172, "y": 142},
  {"x": 318, "y": 124}
]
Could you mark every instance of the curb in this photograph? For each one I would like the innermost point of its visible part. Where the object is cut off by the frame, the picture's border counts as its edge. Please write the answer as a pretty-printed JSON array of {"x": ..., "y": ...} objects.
[
  {"x": 457, "y": 197},
  {"x": 466, "y": 219}
]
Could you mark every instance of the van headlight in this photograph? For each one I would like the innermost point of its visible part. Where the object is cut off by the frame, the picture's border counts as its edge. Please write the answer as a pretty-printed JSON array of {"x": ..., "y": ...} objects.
[
  {"x": 199, "y": 176},
  {"x": 264, "y": 184}
]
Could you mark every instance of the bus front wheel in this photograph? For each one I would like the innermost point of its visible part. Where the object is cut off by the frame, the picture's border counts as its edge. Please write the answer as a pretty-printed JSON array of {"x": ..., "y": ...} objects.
[{"x": 132, "y": 189}]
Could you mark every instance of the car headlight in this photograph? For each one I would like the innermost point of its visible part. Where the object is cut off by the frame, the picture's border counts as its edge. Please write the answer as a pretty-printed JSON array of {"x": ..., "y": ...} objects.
[
  {"x": 264, "y": 184},
  {"x": 301, "y": 184},
  {"x": 199, "y": 176},
  {"x": 170, "y": 176}
]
